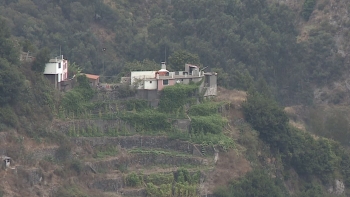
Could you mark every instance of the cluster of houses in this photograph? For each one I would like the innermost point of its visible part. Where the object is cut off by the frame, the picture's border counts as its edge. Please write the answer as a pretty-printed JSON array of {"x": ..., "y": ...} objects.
[{"x": 147, "y": 83}]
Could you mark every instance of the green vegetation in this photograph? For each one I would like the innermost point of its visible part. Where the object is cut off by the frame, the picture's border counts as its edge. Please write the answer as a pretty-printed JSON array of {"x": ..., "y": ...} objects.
[
  {"x": 204, "y": 109},
  {"x": 158, "y": 152},
  {"x": 106, "y": 151},
  {"x": 256, "y": 183},
  {"x": 76, "y": 100},
  {"x": 308, "y": 8},
  {"x": 207, "y": 124},
  {"x": 268, "y": 118},
  {"x": 136, "y": 104},
  {"x": 41, "y": 58},
  {"x": 249, "y": 43},
  {"x": 206, "y": 139},
  {"x": 173, "y": 98},
  {"x": 159, "y": 179},
  {"x": 244, "y": 40},
  {"x": 308, "y": 156},
  {"x": 147, "y": 120},
  {"x": 25, "y": 98},
  {"x": 181, "y": 183},
  {"x": 133, "y": 180},
  {"x": 179, "y": 58},
  {"x": 69, "y": 190}
]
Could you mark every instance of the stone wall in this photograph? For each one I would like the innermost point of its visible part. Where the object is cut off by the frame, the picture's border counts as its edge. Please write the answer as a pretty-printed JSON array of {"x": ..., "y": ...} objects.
[
  {"x": 154, "y": 142},
  {"x": 109, "y": 185},
  {"x": 100, "y": 125},
  {"x": 145, "y": 160}
]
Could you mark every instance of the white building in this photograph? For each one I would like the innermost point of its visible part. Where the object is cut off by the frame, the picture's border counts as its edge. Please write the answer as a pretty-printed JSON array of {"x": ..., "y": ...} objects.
[{"x": 56, "y": 70}]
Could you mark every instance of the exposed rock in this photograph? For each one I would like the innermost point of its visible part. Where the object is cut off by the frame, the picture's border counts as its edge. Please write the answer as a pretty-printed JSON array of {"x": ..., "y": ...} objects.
[{"x": 338, "y": 188}]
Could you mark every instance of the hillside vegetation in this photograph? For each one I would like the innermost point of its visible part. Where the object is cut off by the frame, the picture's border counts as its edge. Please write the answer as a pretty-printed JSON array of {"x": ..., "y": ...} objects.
[
  {"x": 241, "y": 143},
  {"x": 242, "y": 40}
]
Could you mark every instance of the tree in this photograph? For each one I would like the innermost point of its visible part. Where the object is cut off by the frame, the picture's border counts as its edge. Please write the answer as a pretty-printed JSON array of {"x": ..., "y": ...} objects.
[
  {"x": 179, "y": 58},
  {"x": 40, "y": 60},
  {"x": 7, "y": 49},
  {"x": 11, "y": 82},
  {"x": 256, "y": 183},
  {"x": 268, "y": 119}
]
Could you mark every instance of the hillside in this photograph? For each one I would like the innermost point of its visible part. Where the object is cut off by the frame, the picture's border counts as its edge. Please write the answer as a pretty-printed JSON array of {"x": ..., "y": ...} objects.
[
  {"x": 279, "y": 125},
  {"x": 245, "y": 41}
]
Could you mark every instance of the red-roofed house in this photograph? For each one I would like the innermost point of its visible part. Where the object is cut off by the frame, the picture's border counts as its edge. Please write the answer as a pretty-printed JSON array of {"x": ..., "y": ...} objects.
[{"x": 93, "y": 79}]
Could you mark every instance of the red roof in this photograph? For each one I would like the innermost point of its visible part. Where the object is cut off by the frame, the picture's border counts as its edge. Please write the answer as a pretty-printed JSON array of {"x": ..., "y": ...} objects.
[{"x": 89, "y": 76}]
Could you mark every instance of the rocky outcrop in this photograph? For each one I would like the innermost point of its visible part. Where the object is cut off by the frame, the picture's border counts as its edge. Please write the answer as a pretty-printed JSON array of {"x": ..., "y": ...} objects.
[{"x": 338, "y": 188}]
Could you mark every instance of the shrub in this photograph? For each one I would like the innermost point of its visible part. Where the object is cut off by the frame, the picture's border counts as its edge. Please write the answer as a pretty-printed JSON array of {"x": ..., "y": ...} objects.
[
  {"x": 204, "y": 109},
  {"x": 8, "y": 116},
  {"x": 77, "y": 166},
  {"x": 63, "y": 152},
  {"x": 207, "y": 124},
  {"x": 133, "y": 180},
  {"x": 158, "y": 179},
  {"x": 136, "y": 104},
  {"x": 256, "y": 183},
  {"x": 174, "y": 97},
  {"x": 148, "y": 120}
]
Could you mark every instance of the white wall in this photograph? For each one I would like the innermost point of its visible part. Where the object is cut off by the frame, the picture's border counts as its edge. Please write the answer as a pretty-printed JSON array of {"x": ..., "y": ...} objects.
[
  {"x": 50, "y": 68},
  {"x": 141, "y": 75},
  {"x": 150, "y": 84}
]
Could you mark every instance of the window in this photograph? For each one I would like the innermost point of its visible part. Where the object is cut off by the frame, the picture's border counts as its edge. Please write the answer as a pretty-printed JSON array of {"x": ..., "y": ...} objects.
[
  {"x": 166, "y": 82},
  {"x": 150, "y": 81},
  {"x": 59, "y": 65}
]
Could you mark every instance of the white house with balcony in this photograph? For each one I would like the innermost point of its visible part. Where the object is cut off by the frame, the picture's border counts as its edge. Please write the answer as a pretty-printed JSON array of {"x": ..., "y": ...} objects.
[{"x": 56, "y": 70}]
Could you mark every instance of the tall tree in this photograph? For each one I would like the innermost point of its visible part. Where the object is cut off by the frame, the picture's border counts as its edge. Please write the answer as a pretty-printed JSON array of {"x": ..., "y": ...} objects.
[
  {"x": 40, "y": 60},
  {"x": 179, "y": 58}
]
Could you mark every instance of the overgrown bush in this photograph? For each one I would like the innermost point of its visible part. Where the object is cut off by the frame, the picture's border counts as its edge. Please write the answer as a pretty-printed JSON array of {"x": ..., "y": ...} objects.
[
  {"x": 148, "y": 120},
  {"x": 182, "y": 175},
  {"x": 133, "y": 180},
  {"x": 208, "y": 124},
  {"x": 174, "y": 97},
  {"x": 63, "y": 152},
  {"x": 159, "y": 179},
  {"x": 256, "y": 183},
  {"x": 136, "y": 104},
  {"x": 8, "y": 117},
  {"x": 125, "y": 91},
  {"x": 204, "y": 109},
  {"x": 76, "y": 100},
  {"x": 77, "y": 166},
  {"x": 268, "y": 119}
]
